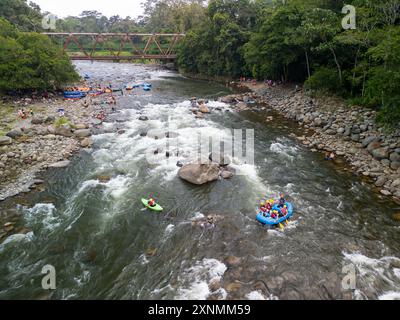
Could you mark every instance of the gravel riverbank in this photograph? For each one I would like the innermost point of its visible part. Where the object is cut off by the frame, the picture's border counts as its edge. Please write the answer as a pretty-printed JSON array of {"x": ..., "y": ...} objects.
[
  {"x": 45, "y": 139},
  {"x": 350, "y": 132}
]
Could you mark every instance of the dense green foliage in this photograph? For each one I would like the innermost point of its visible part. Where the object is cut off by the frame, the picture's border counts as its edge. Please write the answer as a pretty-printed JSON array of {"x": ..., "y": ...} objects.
[
  {"x": 19, "y": 13},
  {"x": 285, "y": 40},
  {"x": 304, "y": 41},
  {"x": 28, "y": 60}
]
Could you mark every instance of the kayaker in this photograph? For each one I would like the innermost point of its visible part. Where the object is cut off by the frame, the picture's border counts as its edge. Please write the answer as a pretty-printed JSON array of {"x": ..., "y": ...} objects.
[{"x": 151, "y": 202}]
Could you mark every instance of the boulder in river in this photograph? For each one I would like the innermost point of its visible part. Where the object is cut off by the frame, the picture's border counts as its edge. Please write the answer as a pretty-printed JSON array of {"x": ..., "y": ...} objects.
[
  {"x": 143, "y": 118},
  {"x": 86, "y": 142},
  {"x": 225, "y": 174},
  {"x": 199, "y": 173},
  {"x": 232, "y": 261},
  {"x": 204, "y": 109}
]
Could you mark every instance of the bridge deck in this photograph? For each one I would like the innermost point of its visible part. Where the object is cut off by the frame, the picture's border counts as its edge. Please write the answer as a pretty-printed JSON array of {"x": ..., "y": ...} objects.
[{"x": 157, "y": 46}]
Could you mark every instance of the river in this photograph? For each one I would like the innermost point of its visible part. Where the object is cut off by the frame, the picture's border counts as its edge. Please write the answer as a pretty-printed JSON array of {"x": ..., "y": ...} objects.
[{"x": 104, "y": 246}]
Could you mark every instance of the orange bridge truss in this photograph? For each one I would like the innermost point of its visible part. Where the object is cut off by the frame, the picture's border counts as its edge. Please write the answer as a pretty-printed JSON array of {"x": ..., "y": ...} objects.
[{"x": 118, "y": 46}]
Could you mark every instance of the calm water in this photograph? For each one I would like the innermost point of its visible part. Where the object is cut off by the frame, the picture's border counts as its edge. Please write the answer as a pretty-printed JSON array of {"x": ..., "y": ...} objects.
[{"x": 104, "y": 246}]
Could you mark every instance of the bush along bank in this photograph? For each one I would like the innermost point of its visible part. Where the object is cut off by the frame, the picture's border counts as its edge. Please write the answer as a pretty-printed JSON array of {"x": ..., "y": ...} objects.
[{"x": 351, "y": 132}]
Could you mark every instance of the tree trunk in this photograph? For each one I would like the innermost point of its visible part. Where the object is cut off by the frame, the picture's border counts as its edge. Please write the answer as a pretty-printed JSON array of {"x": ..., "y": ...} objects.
[
  {"x": 354, "y": 71},
  {"x": 308, "y": 65},
  {"x": 337, "y": 64}
]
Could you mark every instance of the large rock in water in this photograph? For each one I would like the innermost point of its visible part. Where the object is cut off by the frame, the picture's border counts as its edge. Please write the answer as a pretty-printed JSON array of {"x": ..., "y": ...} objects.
[
  {"x": 199, "y": 173},
  {"x": 203, "y": 109}
]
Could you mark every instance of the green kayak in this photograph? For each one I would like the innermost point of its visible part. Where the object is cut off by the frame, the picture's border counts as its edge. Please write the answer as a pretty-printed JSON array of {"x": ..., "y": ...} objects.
[{"x": 157, "y": 207}]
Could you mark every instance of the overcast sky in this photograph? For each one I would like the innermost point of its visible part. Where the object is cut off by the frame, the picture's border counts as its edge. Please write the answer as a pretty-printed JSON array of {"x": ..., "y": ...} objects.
[{"x": 64, "y": 8}]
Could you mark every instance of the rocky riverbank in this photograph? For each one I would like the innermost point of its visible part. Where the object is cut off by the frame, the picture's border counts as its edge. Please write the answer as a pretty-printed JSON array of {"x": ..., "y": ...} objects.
[
  {"x": 44, "y": 139},
  {"x": 350, "y": 132}
]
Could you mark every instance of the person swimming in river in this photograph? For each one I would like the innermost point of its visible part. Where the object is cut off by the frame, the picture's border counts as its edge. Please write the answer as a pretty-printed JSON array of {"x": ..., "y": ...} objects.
[{"x": 329, "y": 156}]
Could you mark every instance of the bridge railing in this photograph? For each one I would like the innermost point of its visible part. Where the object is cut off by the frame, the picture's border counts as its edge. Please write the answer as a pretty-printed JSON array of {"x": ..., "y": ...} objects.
[{"x": 159, "y": 46}]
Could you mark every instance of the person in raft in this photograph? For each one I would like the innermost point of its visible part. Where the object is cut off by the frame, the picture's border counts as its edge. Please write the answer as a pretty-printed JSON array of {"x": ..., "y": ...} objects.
[
  {"x": 274, "y": 214},
  {"x": 284, "y": 211},
  {"x": 152, "y": 202},
  {"x": 282, "y": 201},
  {"x": 263, "y": 209}
]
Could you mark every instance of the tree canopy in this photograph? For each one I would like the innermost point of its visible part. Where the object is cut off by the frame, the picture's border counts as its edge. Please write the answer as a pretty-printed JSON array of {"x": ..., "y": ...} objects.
[{"x": 29, "y": 60}]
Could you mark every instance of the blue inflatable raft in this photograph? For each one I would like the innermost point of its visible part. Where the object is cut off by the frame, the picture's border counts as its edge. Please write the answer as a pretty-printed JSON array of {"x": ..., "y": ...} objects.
[{"x": 271, "y": 221}]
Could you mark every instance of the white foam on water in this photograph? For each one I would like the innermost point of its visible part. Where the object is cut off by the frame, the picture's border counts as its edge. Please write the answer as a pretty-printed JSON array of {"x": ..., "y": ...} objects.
[
  {"x": 157, "y": 291},
  {"x": 284, "y": 150},
  {"x": 390, "y": 295},
  {"x": 276, "y": 233},
  {"x": 197, "y": 279},
  {"x": 83, "y": 279},
  {"x": 370, "y": 269},
  {"x": 169, "y": 229},
  {"x": 88, "y": 184},
  {"x": 197, "y": 216},
  {"x": 255, "y": 295},
  {"x": 117, "y": 186},
  {"x": 44, "y": 214},
  {"x": 143, "y": 259},
  {"x": 16, "y": 239}
]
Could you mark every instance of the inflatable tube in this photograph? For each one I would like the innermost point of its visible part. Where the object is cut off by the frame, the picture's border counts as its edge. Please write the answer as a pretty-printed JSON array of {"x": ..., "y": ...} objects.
[
  {"x": 146, "y": 88},
  {"x": 157, "y": 207},
  {"x": 146, "y": 84},
  {"x": 272, "y": 222},
  {"x": 74, "y": 95}
]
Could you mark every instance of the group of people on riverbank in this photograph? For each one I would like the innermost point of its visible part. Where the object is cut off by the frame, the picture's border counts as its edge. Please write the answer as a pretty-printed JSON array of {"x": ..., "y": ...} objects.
[{"x": 22, "y": 114}]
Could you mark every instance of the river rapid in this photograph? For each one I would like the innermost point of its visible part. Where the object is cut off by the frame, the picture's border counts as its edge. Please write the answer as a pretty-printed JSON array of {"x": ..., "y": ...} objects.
[{"x": 103, "y": 245}]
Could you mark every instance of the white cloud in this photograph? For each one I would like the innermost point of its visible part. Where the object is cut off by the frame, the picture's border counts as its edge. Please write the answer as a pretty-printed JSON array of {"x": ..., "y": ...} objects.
[{"x": 63, "y": 8}]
